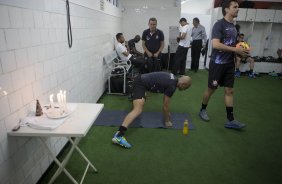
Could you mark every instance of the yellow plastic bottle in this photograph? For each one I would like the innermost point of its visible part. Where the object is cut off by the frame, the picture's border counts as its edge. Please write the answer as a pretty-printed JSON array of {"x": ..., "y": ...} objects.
[{"x": 185, "y": 127}]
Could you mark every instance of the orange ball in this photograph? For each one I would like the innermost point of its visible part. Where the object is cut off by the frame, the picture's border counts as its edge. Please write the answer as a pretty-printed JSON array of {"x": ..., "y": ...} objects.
[{"x": 244, "y": 45}]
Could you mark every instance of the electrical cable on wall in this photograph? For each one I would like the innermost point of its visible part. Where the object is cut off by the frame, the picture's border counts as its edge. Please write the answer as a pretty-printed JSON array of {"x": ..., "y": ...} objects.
[{"x": 69, "y": 24}]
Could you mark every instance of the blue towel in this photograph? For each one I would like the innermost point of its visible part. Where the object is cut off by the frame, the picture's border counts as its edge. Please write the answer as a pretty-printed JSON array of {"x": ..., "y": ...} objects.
[{"x": 145, "y": 120}]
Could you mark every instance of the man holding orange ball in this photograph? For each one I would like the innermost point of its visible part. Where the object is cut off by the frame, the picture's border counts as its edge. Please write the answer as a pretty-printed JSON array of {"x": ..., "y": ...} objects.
[{"x": 239, "y": 59}]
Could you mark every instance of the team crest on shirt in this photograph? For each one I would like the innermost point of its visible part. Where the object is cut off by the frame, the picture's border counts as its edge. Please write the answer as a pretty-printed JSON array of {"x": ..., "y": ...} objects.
[
  {"x": 157, "y": 37},
  {"x": 147, "y": 37},
  {"x": 214, "y": 83}
]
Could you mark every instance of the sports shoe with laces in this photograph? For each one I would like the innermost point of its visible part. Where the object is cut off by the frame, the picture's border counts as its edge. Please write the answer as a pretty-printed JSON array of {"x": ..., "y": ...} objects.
[
  {"x": 120, "y": 140},
  {"x": 204, "y": 115},
  {"x": 237, "y": 73},
  {"x": 234, "y": 124},
  {"x": 252, "y": 75}
]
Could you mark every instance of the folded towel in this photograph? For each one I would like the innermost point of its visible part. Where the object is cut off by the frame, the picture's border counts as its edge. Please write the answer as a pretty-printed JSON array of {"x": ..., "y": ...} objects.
[
  {"x": 45, "y": 122},
  {"x": 42, "y": 122}
]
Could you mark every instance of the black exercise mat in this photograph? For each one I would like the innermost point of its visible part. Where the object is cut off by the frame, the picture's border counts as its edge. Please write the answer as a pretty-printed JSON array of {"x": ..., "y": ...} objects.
[{"x": 145, "y": 120}]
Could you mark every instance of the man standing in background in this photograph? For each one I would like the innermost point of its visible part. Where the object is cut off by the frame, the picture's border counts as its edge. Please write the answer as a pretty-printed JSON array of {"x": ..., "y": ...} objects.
[
  {"x": 199, "y": 39},
  {"x": 184, "y": 39},
  {"x": 153, "y": 44}
]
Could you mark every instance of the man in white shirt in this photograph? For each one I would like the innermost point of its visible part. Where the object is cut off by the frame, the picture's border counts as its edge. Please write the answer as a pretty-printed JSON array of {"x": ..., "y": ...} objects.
[
  {"x": 124, "y": 54},
  {"x": 182, "y": 49}
]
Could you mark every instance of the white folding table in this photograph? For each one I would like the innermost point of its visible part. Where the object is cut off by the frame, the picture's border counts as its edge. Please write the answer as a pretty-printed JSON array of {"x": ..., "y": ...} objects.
[{"x": 75, "y": 126}]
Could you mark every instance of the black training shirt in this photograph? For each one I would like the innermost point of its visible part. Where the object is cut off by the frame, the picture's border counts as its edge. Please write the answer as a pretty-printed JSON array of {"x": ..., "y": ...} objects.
[
  {"x": 160, "y": 82},
  {"x": 227, "y": 34},
  {"x": 153, "y": 42}
]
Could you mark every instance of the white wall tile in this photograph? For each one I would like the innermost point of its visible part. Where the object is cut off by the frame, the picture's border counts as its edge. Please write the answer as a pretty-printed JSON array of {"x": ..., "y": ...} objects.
[
  {"x": 9, "y": 147},
  {"x": 28, "y": 178},
  {"x": 45, "y": 84},
  {"x": 25, "y": 37},
  {"x": 17, "y": 177},
  {"x": 16, "y": 17},
  {"x": 27, "y": 94},
  {"x": 6, "y": 170},
  {"x": 44, "y": 164},
  {"x": 47, "y": 67},
  {"x": 22, "y": 140},
  {"x": 37, "y": 89},
  {"x": 29, "y": 74},
  {"x": 4, "y": 17},
  {"x": 27, "y": 165},
  {"x": 35, "y": 37},
  {"x": 53, "y": 35},
  {"x": 39, "y": 71},
  {"x": 49, "y": 51},
  {"x": 59, "y": 34},
  {"x": 32, "y": 55},
  {"x": 3, "y": 135},
  {"x": 20, "y": 157},
  {"x": 15, "y": 100},
  {"x": 5, "y": 107},
  {"x": 8, "y": 61},
  {"x": 41, "y": 53},
  {"x": 6, "y": 85},
  {"x": 22, "y": 113},
  {"x": 38, "y": 19},
  {"x": 18, "y": 79},
  {"x": 44, "y": 33},
  {"x": 28, "y": 18},
  {"x": 12, "y": 38},
  {"x": 2, "y": 40},
  {"x": 36, "y": 173},
  {"x": 21, "y": 58},
  {"x": 1, "y": 70},
  {"x": 56, "y": 47},
  {"x": 53, "y": 81},
  {"x": 1, "y": 155},
  {"x": 30, "y": 145},
  {"x": 46, "y": 19}
]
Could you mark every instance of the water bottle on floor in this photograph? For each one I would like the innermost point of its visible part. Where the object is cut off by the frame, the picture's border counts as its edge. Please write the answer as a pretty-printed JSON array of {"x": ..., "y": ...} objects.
[{"x": 185, "y": 127}]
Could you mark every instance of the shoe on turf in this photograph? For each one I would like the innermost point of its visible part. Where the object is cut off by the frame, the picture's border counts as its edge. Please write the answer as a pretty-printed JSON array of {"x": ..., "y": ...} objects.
[
  {"x": 120, "y": 140},
  {"x": 237, "y": 74},
  {"x": 204, "y": 115},
  {"x": 252, "y": 75},
  {"x": 234, "y": 124}
]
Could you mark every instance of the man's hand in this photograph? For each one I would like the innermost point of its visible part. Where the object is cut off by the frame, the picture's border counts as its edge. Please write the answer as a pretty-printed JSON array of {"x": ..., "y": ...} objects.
[
  {"x": 156, "y": 55},
  {"x": 178, "y": 39},
  {"x": 242, "y": 52},
  {"x": 149, "y": 54}
]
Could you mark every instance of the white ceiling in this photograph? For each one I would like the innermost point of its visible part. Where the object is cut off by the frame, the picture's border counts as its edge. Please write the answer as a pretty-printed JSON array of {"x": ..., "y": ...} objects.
[{"x": 197, "y": 7}]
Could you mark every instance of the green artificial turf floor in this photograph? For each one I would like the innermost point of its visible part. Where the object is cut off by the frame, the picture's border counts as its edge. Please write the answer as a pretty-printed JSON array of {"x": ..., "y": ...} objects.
[{"x": 210, "y": 154}]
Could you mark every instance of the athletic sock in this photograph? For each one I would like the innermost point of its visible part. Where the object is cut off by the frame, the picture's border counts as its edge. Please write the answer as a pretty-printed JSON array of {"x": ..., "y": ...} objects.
[
  {"x": 204, "y": 106},
  {"x": 237, "y": 70},
  {"x": 251, "y": 71},
  {"x": 121, "y": 131},
  {"x": 229, "y": 111}
]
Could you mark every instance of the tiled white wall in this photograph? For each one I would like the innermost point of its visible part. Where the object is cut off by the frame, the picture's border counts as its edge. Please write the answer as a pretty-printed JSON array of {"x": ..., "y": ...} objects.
[{"x": 35, "y": 61}]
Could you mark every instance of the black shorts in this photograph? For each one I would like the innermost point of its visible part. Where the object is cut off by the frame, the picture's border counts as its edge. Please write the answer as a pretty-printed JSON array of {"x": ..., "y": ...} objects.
[
  {"x": 139, "y": 88},
  {"x": 221, "y": 75}
]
